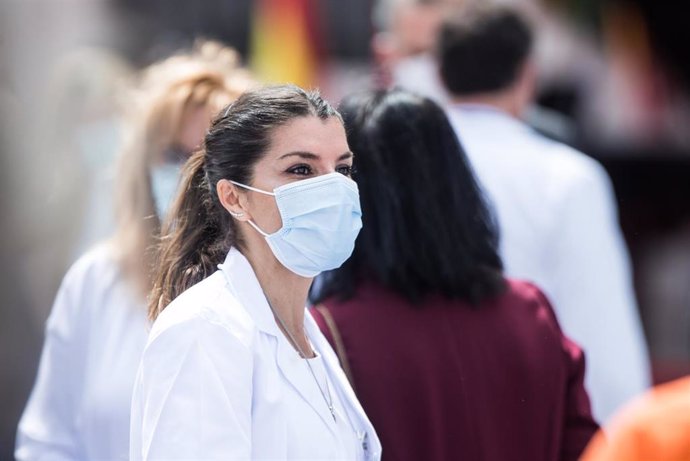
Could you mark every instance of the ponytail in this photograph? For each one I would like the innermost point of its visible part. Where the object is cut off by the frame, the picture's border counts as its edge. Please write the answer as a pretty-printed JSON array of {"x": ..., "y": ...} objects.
[{"x": 194, "y": 239}]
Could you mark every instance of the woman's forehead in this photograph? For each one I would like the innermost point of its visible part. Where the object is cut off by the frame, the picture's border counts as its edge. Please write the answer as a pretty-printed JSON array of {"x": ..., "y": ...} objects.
[{"x": 310, "y": 134}]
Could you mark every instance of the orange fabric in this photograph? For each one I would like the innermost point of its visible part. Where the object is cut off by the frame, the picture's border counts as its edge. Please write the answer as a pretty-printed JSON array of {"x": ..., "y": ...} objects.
[{"x": 655, "y": 427}]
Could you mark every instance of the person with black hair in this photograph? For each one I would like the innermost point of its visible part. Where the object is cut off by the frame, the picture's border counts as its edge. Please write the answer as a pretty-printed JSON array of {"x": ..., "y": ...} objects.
[
  {"x": 555, "y": 206},
  {"x": 449, "y": 359},
  {"x": 234, "y": 367}
]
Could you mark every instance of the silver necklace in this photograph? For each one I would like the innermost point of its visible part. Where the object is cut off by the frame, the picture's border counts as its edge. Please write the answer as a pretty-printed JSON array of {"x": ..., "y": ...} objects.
[{"x": 329, "y": 399}]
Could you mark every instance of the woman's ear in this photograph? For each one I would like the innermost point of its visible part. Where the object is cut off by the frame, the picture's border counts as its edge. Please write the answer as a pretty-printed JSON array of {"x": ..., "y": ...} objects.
[{"x": 231, "y": 199}]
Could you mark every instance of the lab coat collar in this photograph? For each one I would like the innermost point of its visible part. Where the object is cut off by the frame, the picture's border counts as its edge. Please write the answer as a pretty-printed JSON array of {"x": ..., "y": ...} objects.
[
  {"x": 246, "y": 288},
  {"x": 479, "y": 107},
  {"x": 494, "y": 113}
]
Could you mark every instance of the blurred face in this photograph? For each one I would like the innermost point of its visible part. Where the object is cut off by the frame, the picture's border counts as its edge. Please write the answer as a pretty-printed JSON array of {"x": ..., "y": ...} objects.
[
  {"x": 195, "y": 122},
  {"x": 193, "y": 126},
  {"x": 302, "y": 148},
  {"x": 415, "y": 26},
  {"x": 165, "y": 172}
]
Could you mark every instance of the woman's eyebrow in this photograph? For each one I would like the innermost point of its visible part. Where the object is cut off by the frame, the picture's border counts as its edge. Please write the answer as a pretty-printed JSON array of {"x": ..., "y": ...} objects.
[
  {"x": 313, "y": 156},
  {"x": 302, "y": 154}
]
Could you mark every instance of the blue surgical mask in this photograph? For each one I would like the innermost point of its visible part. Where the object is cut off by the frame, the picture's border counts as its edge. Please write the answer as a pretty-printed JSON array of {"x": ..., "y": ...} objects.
[
  {"x": 98, "y": 143},
  {"x": 321, "y": 220},
  {"x": 164, "y": 181}
]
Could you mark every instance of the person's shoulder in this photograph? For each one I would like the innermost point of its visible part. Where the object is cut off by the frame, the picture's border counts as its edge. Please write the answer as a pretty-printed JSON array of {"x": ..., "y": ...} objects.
[
  {"x": 529, "y": 303},
  {"x": 531, "y": 317},
  {"x": 90, "y": 289},
  {"x": 206, "y": 308},
  {"x": 568, "y": 163},
  {"x": 98, "y": 263},
  {"x": 89, "y": 281},
  {"x": 567, "y": 175},
  {"x": 523, "y": 291}
]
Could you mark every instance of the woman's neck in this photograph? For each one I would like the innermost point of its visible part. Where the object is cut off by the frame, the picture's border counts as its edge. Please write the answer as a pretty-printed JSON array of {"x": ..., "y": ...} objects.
[{"x": 285, "y": 291}]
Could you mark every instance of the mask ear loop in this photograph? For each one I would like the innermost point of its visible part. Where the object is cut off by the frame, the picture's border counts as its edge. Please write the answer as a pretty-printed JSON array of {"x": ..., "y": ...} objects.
[
  {"x": 252, "y": 188},
  {"x": 251, "y": 223}
]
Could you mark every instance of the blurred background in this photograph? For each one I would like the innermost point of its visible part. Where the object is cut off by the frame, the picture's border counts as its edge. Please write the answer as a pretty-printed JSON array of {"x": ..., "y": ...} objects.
[{"x": 616, "y": 75}]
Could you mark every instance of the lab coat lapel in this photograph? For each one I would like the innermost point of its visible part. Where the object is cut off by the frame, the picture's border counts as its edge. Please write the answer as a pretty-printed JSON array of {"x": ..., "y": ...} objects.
[{"x": 246, "y": 288}]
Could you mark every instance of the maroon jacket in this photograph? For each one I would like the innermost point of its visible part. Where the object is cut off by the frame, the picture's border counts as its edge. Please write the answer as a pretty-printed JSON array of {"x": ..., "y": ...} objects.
[{"x": 446, "y": 381}]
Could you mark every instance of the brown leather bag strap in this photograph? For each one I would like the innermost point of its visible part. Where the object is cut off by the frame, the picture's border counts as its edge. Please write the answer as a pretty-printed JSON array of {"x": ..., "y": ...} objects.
[{"x": 339, "y": 346}]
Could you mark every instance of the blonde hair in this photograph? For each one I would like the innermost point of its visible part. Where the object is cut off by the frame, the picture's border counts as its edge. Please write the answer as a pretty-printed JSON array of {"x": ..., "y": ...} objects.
[{"x": 210, "y": 77}]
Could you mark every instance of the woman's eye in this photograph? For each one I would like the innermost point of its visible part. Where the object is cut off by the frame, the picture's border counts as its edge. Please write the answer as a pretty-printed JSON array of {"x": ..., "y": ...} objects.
[
  {"x": 346, "y": 170},
  {"x": 301, "y": 170}
]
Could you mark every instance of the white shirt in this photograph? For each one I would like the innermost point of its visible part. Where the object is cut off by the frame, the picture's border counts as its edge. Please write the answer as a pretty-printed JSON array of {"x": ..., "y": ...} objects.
[
  {"x": 558, "y": 225},
  {"x": 219, "y": 381},
  {"x": 79, "y": 407},
  {"x": 348, "y": 437}
]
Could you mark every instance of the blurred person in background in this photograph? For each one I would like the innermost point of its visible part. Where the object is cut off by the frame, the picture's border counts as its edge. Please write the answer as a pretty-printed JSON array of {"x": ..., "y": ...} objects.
[
  {"x": 404, "y": 42},
  {"x": 404, "y": 53},
  {"x": 80, "y": 405},
  {"x": 654, "y": 427},
  {"x": 449, "y": 359},
  {"x": 234, "y": 367},
  {"x": 555, "y": 206}
]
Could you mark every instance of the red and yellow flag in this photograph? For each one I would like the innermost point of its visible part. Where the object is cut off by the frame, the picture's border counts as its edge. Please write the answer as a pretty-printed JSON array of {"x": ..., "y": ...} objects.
[{"x": 284, "y": 42}]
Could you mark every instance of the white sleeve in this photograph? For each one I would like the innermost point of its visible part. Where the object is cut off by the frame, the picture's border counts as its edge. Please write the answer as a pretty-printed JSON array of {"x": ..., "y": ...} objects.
[
  {"x": 47, "y": 428},
  {"x": 593, "y": 293},
  {"x": 192, "y": 398}
]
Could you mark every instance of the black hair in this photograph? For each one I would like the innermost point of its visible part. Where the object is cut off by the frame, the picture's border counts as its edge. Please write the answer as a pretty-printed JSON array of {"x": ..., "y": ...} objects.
[
  {"x": 483, "y": 49},
  {"x": 426, "y": 228},
  {"x": 199, "y": 231}
]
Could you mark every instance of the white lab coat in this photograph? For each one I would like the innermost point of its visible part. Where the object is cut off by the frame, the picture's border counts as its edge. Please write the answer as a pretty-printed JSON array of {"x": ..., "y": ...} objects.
[
  {"x": 218, "y": 380},
  {"x": 558, "y": 224},
  {"x": 96, "y": 332}
]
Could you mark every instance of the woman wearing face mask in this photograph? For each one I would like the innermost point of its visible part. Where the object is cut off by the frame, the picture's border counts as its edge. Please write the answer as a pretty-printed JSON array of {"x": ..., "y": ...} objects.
[
  {"x": 450, "y": 360},
  {"x": 233, "y": 368},
  {"x": 80, "y": 405}
]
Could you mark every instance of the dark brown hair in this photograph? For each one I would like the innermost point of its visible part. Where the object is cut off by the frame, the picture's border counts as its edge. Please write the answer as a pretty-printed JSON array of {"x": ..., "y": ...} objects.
[
  {"x": 482, "y": 48},
  {"x": 199, "y": 231}
]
